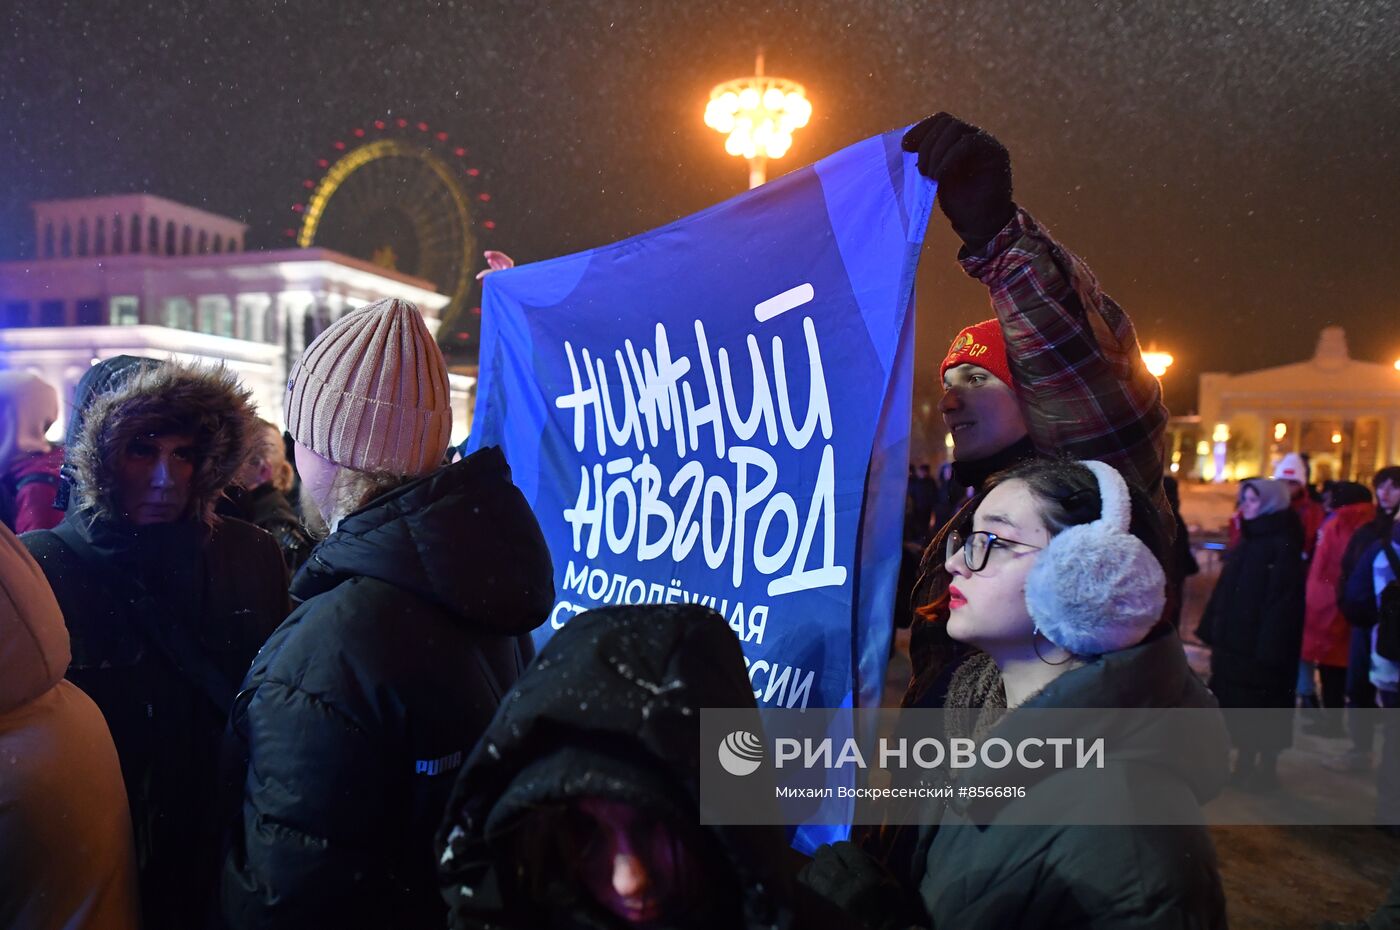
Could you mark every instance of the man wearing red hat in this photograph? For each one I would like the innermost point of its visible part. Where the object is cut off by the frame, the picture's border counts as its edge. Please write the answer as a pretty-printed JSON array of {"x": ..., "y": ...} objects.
[
  {"x": 1058, "y": 371},
  {"x": 1065, "y": 367}
]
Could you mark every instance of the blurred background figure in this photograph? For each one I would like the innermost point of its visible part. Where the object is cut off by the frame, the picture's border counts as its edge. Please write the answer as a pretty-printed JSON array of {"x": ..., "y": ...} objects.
[
  {"x": 259, "y": 492},
  {"x": 1182, "y": 562},
  {"x": 1369, "y": 602},
  {"x": 1254, "y": 626},
  {"x": 29, "y": 463},
  {"x": 951, "y": 496},
  {"x": 1292, "y": 470},
  {"x": 1360, "y": 692},
  {"x": 923, "y": 498},
  {"x": 1326, "y": 633}
]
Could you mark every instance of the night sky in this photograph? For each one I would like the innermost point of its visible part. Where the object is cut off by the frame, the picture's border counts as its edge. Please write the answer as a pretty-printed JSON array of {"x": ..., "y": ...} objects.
[{"x": 1230, "y": 170}]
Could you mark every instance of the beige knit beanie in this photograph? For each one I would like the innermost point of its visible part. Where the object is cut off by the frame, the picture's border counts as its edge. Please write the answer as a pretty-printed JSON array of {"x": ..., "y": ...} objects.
[{"x": 370, "y": 393}]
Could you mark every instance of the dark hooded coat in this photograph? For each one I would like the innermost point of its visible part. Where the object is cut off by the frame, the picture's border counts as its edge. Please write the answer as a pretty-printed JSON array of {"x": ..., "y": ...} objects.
[
  {"x": 1253, "y": 623},
  {"x": 414, "y": 623},
  {"x": 610, "y": 709},
  {"x": 268, "y": 509},
  {"x": 977, "y": 869},
  {"x": 163, "y": 619}
]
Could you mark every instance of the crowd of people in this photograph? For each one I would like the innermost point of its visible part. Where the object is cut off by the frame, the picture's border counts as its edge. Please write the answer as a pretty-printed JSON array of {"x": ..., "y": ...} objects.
[{"x": 210, "y": 719}]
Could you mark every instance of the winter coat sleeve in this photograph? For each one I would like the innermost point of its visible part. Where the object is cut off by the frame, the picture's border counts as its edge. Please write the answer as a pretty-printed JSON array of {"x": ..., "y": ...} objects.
[
  {"x": 1358, "y": 600},
  {"x": 308, "y": 850},
  {"x": 1082, "y": 384},
  {"x": 1320, "y": 585},
  {"x": 1283, "y": 608},
  {"x": 1219, "y": 600}
]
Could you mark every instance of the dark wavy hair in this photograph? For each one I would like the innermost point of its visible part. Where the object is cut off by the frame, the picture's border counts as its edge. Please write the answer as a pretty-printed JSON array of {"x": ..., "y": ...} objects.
[{"x": 1068, "y": 495}]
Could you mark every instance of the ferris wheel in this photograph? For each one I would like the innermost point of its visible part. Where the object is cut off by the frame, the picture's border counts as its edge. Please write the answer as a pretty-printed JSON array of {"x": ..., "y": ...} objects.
[{"x": 401, "y": 195}]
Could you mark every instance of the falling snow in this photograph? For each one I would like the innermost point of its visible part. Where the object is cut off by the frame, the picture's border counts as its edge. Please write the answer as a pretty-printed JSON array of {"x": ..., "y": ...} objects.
[{"x": 1225, "y": 167}]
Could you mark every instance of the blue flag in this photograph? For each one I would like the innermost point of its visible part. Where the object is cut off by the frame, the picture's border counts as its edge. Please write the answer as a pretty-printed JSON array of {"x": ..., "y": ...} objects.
[{"x": 717, "y": 411}]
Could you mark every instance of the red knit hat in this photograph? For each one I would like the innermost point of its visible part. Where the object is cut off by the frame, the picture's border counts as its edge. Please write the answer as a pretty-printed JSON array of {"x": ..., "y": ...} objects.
[{"x": 983, "y": 345}]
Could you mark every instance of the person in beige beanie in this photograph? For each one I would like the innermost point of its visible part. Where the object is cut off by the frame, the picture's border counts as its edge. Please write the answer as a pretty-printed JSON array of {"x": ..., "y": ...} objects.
[
  {"x": 368, "y": 406},
  {"x": 415, "y": 618}
]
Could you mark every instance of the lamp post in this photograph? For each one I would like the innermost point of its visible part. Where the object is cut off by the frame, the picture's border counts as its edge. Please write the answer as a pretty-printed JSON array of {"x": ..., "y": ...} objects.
[
  {"x": 758, "y": 115},
  {"x": 1156, "y": 361}
]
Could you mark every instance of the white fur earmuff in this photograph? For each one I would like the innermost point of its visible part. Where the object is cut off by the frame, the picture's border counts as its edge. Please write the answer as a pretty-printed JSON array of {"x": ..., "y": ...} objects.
[{"x": 1097, "y": 588}]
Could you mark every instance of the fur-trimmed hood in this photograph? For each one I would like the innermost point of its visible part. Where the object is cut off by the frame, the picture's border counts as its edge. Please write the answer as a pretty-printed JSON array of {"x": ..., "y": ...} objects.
[{"x": 125, "y": 397}]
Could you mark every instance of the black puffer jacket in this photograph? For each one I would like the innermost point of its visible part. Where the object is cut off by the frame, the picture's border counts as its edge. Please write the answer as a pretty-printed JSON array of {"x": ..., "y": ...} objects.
[
  {"x": 267, "y": 508},
  {"x": 362, "y": 706},
  {"x": 1254, "y": 625},
  {"x": 610, "y": 709},
  {"x": 164, "y": 619},
  {"x": 1364, "y": 538}
]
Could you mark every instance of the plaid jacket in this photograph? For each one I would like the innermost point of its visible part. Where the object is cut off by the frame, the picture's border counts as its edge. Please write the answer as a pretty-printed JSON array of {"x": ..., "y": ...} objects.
[
  {"x": 1084, "y": 392},
  {"x": 1083, "y": 387}
]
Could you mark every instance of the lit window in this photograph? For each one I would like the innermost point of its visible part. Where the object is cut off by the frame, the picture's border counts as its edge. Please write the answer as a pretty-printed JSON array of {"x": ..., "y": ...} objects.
[
  {"x": 251, "y": 317},
  {"x": 216, "y": 315},
  {"x": 178, "y": 313},
  {"x": 125, "y": 311}
]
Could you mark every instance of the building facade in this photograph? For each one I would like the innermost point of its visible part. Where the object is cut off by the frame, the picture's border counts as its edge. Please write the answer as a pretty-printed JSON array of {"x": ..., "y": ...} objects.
[
  {"x": 141, "y": 275},
  {"x": 1343, "y": 413}
]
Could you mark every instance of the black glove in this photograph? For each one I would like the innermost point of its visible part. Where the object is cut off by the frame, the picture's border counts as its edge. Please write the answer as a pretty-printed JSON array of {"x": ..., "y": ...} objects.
[
  {"x": 973, "y": 171},
  {"x": 853, "y": 881}
]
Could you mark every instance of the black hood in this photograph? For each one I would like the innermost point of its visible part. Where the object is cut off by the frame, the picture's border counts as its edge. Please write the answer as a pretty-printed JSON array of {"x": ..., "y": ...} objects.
[
  {"x": 1271, "y": 524},
  {"x": 610, "y": 708},
  {"x": 462, "y": 537}
]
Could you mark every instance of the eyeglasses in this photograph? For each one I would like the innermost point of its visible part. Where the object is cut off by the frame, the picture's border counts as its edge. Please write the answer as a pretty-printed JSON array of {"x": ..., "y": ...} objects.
[{"x": 977, "y": 547}]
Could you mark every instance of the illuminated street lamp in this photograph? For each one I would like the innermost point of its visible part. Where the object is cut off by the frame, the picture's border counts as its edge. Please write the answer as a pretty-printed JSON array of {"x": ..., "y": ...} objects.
[
  {"x": 1157, "y": 362},
  {"x": 758, "y": 115}
]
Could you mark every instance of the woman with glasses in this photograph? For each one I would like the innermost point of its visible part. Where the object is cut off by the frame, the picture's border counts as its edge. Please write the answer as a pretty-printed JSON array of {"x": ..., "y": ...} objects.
[{"x": 1057, "y": 581}]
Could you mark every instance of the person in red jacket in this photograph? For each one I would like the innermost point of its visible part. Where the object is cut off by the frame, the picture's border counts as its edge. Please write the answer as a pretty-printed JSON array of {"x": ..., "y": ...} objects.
[
  {"x": 1326, "y": 633},
  {"x": 1293, "y": 470},
  {"x": 29, "y": 463}
]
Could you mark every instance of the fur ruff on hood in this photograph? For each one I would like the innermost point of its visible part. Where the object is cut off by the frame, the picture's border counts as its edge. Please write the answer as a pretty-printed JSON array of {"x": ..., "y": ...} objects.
[{"x": 207, "y": 402}]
